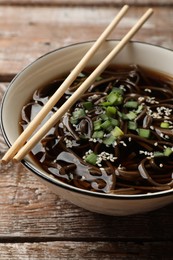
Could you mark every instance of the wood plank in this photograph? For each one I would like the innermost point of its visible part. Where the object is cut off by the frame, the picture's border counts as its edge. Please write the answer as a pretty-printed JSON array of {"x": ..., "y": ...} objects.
[
  {"x": 27, "y": 208},
  {"x": 86, "y": 2},
  {"x": 81, "y": 250},
  {"x": 34, "y": 222},
  {"x": 27, "y": 33}
]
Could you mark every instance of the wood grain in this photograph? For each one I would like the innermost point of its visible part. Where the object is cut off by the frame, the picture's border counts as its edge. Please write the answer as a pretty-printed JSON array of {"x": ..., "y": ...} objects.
[
  {"x": 36, "y": 224},
  {"x": 88, "y": 250},
  {"x": 27, "y": 33},
  {"x": 87, "y": 2}
]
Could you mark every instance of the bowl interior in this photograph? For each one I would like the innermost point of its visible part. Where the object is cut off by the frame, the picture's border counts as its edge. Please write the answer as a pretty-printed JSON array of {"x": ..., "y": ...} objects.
[{"x": 62, "y": 61}]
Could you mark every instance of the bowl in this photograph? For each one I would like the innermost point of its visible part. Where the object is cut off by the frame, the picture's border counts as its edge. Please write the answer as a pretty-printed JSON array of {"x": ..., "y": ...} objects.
[{"x": 54, "y": 64}]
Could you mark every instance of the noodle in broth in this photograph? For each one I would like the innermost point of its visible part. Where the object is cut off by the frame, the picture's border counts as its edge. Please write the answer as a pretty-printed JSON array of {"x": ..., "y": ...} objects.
[{"x": 117, "y": 138}]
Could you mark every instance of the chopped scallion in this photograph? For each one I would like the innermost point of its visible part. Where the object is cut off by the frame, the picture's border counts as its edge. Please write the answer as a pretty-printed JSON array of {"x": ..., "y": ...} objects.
[
  {"x": 144, "y": 132},
  {"x": 131, "y": 115},
  {"x": 115, "y": 98},
  {"x": 106, "y": 124},
  {"x": 114, "y": 121},
  {"x": 104, "y": 117},
  {"x": 109, "y": 140},
  {"x": 124, "y": 116},
  {"x": 167, "y": 151},
  {"x": 78, "y": 113},
  {"x": 109, "y": 129},
  {"x": 98, "y": 134},
  {"x": 91, "y": 158},
  {"x": 120, "y": 114},
  {"x": 118, "y": 90},
  {"x": 105, "y": 103},
  {"x": 116, "y": 132},
  {"x": 88, "y": 105},
  {"x": 131, "y": 104},
  {"x": 139, "y": 109},
  {"x": 158, "y": 154},
  {"x": 73, "y": 120},
  {"x": 97, "y": 124},
  {"x": 132, "y": 125},
  {"x": 110, "y": 110},
  {"x": 164, "y": 125}
]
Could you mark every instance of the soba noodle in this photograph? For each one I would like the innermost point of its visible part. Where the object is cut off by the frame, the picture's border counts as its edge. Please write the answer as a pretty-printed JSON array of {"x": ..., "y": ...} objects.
[{"x": 118, "y": 137}]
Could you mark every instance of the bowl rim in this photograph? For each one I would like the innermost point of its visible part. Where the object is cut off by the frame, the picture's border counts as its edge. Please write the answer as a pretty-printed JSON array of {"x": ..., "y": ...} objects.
[{"x": 55, "y": 181}]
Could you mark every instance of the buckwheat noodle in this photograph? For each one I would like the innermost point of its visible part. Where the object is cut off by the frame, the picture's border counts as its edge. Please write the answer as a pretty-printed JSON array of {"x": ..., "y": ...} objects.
[{"x": 118, "y": 137}]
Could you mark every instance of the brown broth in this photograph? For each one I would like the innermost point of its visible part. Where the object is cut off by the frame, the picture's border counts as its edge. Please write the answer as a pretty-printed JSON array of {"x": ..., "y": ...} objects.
[{"x": 129, "y": 151}]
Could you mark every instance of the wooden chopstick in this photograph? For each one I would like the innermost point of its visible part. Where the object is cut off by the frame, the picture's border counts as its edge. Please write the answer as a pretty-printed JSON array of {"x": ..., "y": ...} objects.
[
  {"x": 58, "y": 94},
  {"x": 84, "y": 86}
]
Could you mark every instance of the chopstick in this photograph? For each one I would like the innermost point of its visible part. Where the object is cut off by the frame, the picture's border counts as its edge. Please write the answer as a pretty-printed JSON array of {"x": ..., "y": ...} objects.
[
  {"x": 58, "y": 94},
  {"x": 84, "y": 86}
]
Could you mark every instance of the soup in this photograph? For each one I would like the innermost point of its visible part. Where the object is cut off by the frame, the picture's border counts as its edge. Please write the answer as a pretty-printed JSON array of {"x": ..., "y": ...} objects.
[{"x": 117, "y": 138}]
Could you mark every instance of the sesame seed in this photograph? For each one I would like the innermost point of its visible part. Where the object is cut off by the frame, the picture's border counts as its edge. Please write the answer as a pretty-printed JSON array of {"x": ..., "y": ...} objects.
[
  {"x": 141, "y": 152},
  {"x": 93, "y": 97},
  {"x": 140, "y": 99},
  {"x": 114, "y": 144},
  {"x": 120, "y": 167},
  {"x": 147, "y": 90},
  {"x": 122, "y": 87},
  {"x": 151, "y": 100},
  {"x": 150, "y": 154},
  {"x": 123, "y": 143},
  {"x": 68, "y": 142}
]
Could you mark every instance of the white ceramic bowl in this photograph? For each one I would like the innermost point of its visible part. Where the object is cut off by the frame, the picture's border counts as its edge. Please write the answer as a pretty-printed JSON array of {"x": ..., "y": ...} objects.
[{"x": 53, "y": 65}]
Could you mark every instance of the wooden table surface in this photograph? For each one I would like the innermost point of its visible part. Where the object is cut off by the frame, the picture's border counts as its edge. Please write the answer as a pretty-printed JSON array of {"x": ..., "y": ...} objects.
[{"x": 34, "y": 222}]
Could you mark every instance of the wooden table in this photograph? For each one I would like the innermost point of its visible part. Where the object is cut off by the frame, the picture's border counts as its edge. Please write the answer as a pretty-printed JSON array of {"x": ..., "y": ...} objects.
[{"x": 34, "y": 222}]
